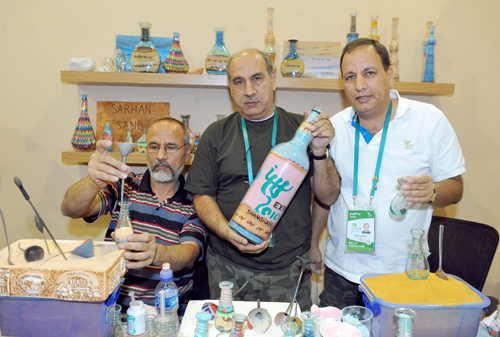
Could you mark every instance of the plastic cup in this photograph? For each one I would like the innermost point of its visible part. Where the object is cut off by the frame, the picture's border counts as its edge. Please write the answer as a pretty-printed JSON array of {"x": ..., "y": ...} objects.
[{"x": 359, "y": 317}]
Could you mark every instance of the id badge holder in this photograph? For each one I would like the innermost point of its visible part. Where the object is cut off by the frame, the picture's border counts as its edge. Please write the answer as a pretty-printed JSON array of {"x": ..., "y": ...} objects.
[{"x": 361, "y": 230}]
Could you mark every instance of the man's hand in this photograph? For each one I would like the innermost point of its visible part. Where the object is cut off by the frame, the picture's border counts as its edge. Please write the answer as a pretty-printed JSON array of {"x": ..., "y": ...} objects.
[
  {"x": 144, "y": 246},
  {"x": 323, "y": 133},
  {"x": 103, "y": 168},
  {"x": 317, "y": 257},
  {"x": 419, "y": 189},
  {"x": 242, "y": 244}
]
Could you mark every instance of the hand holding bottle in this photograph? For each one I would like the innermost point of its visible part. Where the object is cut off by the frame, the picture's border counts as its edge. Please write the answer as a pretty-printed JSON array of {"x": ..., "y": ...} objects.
[
  {"x": 102, "y": 168},
  {"x": 323, "y": 132},
  {"x": 140, "y": 250},
  {"x": 419, "y": 189},
  {"x": 243, "y": 245}
]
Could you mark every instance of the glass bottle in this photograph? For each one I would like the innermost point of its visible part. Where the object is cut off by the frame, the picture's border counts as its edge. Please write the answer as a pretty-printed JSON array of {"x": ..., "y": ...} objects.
[
  {"x": 269, "y": 40},
  {"x": 405, "y": 322},
  {"x": 292, "y": 65},
  {"x": 115, "y": 319},
  {"x": 427, "y": 36},
  {"x": 218, "y": 56},
  {"x": 393, "y": 50},
  {"x": 494, "y": 327},
  {"x": 289, "y": 329},
  {"x": 120, "y": 60},
  {"x": 124, "y": 226},
  {"x": 151, "y": 329},
  {"x": 239, "y": 320},
  {"x": 224, "y": 317},
  {"x": 373, "y": 34},
  {"x": 429, "y": 60},
  {"x": 128, "y": 64},
  {"x": 352, "y": 35},
  {"x": 309, "y": 325},
  {"x": 145, "y": 57},
  {"x": 417, "y": 266},
  {"x": 128, "y": 137},
  {"x": 287, "y": 165},
  {"x": 185, "y": 121},
  {"x": 175, "y": 62},
  {"x": 107, "y": 134},
  {"x": 202, "y": 324},
  {"x": 197, "y": 136},
  {"x": 142, "y": 141},
  {"x": 399, "y": 205},
  {"x": 220, "y": 116},
  {"x": 83, "y": 137}
]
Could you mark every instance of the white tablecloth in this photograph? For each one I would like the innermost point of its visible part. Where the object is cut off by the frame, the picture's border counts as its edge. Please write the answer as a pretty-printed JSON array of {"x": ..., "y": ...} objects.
[{"x": 240, "y": 307}]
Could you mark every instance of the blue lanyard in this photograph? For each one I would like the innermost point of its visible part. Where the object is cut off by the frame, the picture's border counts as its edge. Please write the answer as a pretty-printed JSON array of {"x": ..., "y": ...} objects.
[
  {"x": 247, "y": 143},
  {"x": 379, "y": 160}
]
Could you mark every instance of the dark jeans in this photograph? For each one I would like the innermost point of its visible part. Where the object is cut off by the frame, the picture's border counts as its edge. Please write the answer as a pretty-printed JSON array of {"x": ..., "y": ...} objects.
[{"x": 339, "y": 292}]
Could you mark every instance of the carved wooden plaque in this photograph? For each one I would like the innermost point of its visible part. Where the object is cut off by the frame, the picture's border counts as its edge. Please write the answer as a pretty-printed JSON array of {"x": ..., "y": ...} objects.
[{"x": 123, "y": 115}]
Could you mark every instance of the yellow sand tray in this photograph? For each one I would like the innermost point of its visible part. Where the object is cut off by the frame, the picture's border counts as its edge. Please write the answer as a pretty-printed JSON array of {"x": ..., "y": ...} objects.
[
  {"x": 77, "y": 279},
  {"x": 399, "y": 289}
]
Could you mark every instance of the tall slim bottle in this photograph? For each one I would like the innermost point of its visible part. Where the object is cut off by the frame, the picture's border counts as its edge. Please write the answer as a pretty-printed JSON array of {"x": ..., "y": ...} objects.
[
  {"x": 374, "y": 34},
  {"x": 427, "y": 35},
  {"x": 145, "y": 57},
  {"x": 276, "y": 183},
  {"x": 429, "y": 60},
  {"x": 269, "y": 50},
  {"x": 393, "y": 49},
  {"x": 107, "y": 134},
  {"x": 352, "y": 35}
]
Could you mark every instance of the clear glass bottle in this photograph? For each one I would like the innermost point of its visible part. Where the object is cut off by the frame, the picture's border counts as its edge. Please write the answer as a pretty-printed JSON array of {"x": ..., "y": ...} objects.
[
  {"x": 115, "y": 319},
  {"x": 218, "y": 56},
  {"x": 405, "y": 322},
  {"x": 399, "y": 205},
  {"x": 124, "y": 226},
  {"x": 83, "y": 137},
  {"x": 289, "y": 329},
  {"x": 202, "y": 324},
  {"x": 263, "y": 204},
  {"x": 145, "y": 57},
  {"x": 309, "y": 325},
  {"x": 494, "y": 327},
  {"x": 429, "y": 61},
  {"x": 142, "y": 141},
  {"x": 373, "y": 33},
  {"x": 393, "y": 49},
  {"x": 128, "y": 64},
  {"x": 224, "y": 317},
  {"x": 417, "y": 266},
  {"x": 107, "y": 134},
  {"x": 427, "y": 36},
  {"x": 175, "y": 62},
  {"x": 239, "y": 321},
  {"x": 352, "y": 35},
  {"x": 151, "y": 329},
  {"x": 120, "y": 60},
  {"x": 292, "y": 65},
  {"x": 269, "y": 39},
  {"x": 185, "y": 121}
]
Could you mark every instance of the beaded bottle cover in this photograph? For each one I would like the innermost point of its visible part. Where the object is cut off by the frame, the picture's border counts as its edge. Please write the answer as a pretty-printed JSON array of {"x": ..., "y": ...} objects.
[
  {"x": 83, "y": 137},
  {"x": 175, "y": 62}
]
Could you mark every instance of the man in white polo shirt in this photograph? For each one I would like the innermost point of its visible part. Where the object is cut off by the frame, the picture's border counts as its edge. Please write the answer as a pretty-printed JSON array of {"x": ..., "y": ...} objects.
[{"x": 397, "y": 137}]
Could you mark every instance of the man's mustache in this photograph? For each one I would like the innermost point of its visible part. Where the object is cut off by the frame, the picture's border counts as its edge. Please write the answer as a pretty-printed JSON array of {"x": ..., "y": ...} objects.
[
  {"x": 162, "y": 163},
  {"x": 251, "y": 100}
]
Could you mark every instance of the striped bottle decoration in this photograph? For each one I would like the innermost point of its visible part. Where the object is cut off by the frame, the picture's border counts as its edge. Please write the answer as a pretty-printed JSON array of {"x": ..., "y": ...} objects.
[
  {"x": 175, "y": 62},
  {"x": 83, "y": 137}
]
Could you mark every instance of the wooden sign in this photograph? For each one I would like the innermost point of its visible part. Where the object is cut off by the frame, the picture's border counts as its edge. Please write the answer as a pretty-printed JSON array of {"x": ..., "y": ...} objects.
[{"x": 123, "y": 115}]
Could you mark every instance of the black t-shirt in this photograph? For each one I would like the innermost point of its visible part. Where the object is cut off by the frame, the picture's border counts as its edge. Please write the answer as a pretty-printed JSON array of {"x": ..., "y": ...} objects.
[{"x": 219, "y": 170}]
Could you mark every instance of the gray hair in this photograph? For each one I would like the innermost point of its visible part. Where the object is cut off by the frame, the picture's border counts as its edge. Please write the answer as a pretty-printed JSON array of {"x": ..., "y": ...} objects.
[
  {"x": 269, "y": 63},
  {"x": 172, "y": 120}
]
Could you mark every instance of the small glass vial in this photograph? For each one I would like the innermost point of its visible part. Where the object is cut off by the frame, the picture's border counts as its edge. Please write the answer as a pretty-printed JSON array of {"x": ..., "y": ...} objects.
[
  {"x": 239, "y": 321},
  {"x": 417, "y": 266},
  {"x": 120, "y": 60},
  {"x": 185, "y": 121},
  {"x": 292, "y": 65},
  {"x": 224, "y": 317},
  {"x": 151, "y": 329},
  {"x": 124, "y": 226},
  {"x": 175, "y": 62},
  {"x": 374, "y": 34},
  {"x": 202, "y": 324},
  {"x": 107, "y": 134},
  {"x": 145, "y": 57},
  {"x": 269, "y": 39},
  {"x": 405, "y": 322},
  {"x": 399, "y": 205},
  {"x": 115, "y": 312},
  {"x": 393, "y": 50},
  {"x": 309, "y": 325},
  {"x": 289, "y": 329},
  {"x": 494, "y": 327},
  {"x": 218, "y": 57},
  {"x": 142, "y": 141},
  {"x": 352, "y": 35},
  {"x": 429, "y": 61}
]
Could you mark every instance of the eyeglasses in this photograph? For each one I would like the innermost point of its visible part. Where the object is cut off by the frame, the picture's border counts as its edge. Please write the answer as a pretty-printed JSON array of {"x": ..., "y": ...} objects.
[{"x": 170, "y": 148}]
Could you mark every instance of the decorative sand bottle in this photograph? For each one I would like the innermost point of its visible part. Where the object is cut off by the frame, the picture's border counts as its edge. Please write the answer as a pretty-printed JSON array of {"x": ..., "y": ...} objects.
[
  {"x": 145, "y": 57},
  {"x": 224, "y": 317},
  {"x": 269, "y": 40},
  {"x": 218, "y": 56},
  {"x": 352, "y": 35},
  {"x": 429, "y": 61},
  {"x": 292, "y": 65},
  {"x": 175, "y": 62},
  {"x": 83, "y": 137},
  {"x": 373, "y": 33},
  {"x": 393, "y": 49}
]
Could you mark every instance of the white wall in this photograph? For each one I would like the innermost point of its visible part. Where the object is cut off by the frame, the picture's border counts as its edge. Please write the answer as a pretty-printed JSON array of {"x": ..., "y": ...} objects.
[{"x": 38, "y": 113}]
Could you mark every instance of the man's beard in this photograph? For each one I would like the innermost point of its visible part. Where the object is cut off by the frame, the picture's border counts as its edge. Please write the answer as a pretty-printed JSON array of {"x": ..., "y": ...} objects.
[{"x": 166, "y": 176}]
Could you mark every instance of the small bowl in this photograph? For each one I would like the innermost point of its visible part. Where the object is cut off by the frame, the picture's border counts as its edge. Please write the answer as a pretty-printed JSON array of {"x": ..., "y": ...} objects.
[{"x": 333, "y": 329}]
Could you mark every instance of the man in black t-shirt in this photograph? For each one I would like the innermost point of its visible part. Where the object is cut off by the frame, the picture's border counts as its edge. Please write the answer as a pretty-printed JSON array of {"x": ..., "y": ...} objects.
[{"x": 219, "y": 180}]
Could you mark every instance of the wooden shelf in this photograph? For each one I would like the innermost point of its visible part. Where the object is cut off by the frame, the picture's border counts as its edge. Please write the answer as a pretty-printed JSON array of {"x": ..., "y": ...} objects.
[
  {"x": 220, "y": 82},
  {"x": 83, "y": 157}
]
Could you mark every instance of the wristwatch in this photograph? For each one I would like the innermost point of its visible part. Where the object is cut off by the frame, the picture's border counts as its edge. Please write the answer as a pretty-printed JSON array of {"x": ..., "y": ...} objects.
[
  {"x": 322, "y": 157},
  {"x": 433, "y": 196}
]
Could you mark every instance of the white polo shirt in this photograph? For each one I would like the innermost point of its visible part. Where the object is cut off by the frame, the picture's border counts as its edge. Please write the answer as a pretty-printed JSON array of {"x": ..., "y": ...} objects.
[{"x": 420, "y": 140}]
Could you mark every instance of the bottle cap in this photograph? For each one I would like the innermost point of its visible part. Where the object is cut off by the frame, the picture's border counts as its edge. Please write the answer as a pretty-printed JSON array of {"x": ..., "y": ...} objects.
[{"x": 166, "y": 273}]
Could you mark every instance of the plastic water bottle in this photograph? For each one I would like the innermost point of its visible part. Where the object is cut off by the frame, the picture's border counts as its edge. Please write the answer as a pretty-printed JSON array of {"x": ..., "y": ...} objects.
[{"x": 167, "y": 303}]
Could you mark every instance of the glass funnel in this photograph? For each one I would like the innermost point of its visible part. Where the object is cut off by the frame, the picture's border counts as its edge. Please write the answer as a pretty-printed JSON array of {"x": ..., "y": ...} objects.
[{"x": 417, "y": 266}]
